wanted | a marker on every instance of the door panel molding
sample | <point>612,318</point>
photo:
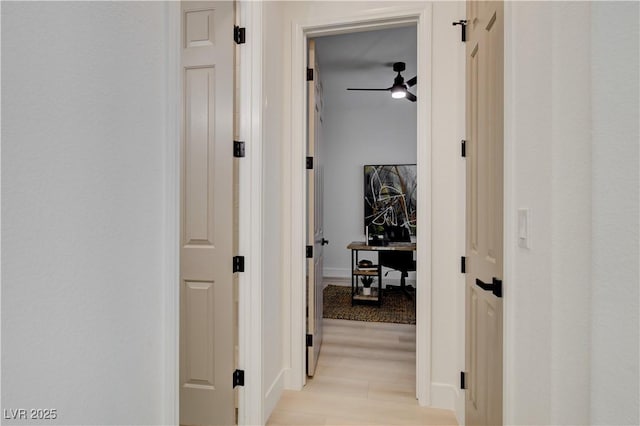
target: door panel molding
<point>484,351</point>
<point>250,398</point>
<point>206,277</point>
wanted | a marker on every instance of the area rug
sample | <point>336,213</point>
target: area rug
<point>396,307</point>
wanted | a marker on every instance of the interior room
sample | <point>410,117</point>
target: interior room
<point>362,128</point>
<point>367,136</point>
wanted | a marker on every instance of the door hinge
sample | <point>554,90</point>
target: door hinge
<point>239,34</point>
<point>498,287</point>
<point>238,149</point>
<point>238,264</point>
<point>309,74</point>
<point>463,26</point>
<point>309,252</point>
<point>309,163</point>
<point>238,378</point>
<point>463,380</point>
<point>463,148</point>
<point>309,340</point>
<point>463,265</point>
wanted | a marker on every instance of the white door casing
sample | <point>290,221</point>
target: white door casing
<point>294,178</point>
<point>484,207</point>
<point>206,244</point>
<point>315,228</point>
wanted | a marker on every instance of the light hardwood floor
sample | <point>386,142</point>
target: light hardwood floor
<point>365,376</point>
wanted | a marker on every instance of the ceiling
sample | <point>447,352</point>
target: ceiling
<point>365,60</point>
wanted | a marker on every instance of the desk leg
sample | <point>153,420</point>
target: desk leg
<point>379,284</point>
<point>353,276</point>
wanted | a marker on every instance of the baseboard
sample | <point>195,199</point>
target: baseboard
<point>346,281</point>
<point>343,281</point>
<point>444,395</point>
<point>331,273</point>
<point>460,406</point>
<point>337,272</point>
<point>273,394</point>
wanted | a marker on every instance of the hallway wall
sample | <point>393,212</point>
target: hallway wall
<point>571,299</point>
<point>615,293</point>
<point>84,198</point>
<point>273,263</point>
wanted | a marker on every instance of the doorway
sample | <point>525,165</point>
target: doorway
<point>294,183</point>
<point>363,150</point>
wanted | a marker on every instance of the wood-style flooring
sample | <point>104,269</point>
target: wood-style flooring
<point>365,376</point>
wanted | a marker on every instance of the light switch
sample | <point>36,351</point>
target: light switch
<point>523,228</point>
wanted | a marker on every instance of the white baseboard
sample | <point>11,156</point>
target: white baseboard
<point>460,407</point>
<point>343,281</point>
<point>273,394</point>
<point>337,272</point>
<point>346,281</point>
<point>346,273</point>
<point>444,395</point>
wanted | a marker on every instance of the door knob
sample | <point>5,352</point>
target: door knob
<point>495,287</point>
<point>324,242</point>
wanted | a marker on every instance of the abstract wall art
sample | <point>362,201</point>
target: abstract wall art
<point>390,195</point>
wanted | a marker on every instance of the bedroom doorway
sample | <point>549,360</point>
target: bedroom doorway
<point>355,137</point>
<point>294,179</point>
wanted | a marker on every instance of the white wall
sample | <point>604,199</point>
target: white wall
<point>571,300</point>
<point>273,262</point>
<point>354,136</point>
<point>84,98</point>
<point>615,140</point>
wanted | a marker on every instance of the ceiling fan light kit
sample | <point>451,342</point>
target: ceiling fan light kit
<point>399,88</point>
<point>398,92</point>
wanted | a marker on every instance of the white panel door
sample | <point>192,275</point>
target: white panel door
<point>484,57</point>
<point>315,229</point>
<point>206,296</point>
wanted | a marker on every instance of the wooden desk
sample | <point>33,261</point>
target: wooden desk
<point>358,246</point>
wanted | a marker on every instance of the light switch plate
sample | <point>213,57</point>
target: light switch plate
<point>523,228</point>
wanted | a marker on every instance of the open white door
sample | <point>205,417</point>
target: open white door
<point>484,149</point>
<point>315,230</point>
<point>206,292</point>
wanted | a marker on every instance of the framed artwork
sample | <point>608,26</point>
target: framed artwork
<point>390,195</point>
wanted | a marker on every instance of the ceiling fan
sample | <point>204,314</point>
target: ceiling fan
<point>399,88</point>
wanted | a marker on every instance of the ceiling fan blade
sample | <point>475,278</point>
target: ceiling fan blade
<point>412,82</point>
<point>411,97</point>
<point>377,90</point>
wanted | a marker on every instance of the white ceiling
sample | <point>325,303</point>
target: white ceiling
<point>365,60</point>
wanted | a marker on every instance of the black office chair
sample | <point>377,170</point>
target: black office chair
<point>399,260</point>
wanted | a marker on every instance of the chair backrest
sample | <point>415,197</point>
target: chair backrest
<point>399,260</point>
<point>397,234</point>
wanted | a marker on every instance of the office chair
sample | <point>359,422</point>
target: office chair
<point>399,260</point>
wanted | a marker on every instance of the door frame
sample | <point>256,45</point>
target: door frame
<point>250,211</point>
<point>509,225</point>
<point>295,180</point>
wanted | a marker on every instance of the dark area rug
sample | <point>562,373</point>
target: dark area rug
<point>396,307</point>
